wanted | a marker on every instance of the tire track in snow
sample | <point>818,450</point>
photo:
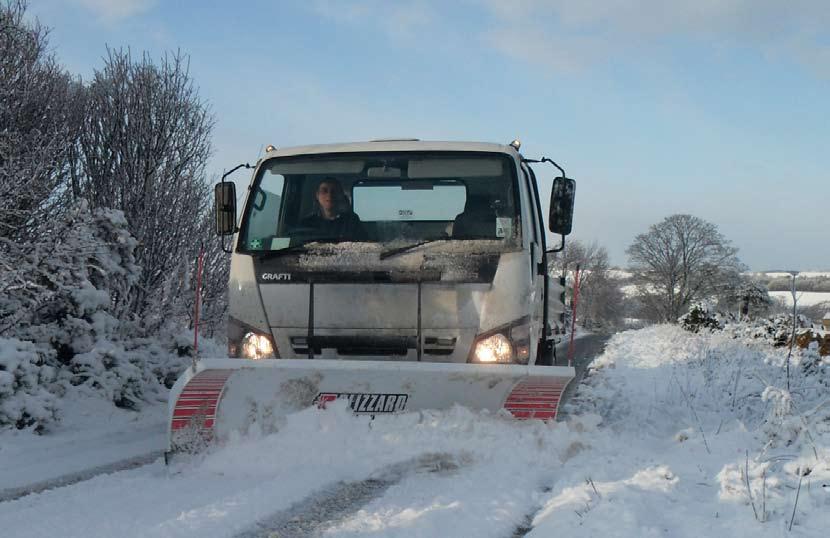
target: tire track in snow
<point>527,522</point>
<point>324,509</point>
<point>10,494</point>
<point>585,350</point>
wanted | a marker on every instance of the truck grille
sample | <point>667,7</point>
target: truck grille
<point>372,346</point>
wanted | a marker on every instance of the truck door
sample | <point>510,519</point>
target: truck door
<point>536,242</point>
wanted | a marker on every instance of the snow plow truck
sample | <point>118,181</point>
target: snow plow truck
<point>397,275</point>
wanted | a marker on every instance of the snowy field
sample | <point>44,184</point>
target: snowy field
<point>804,298</point>
<point>802,274</point>
<point>656,442</point>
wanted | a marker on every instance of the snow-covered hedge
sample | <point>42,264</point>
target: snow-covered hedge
<point>775,330</point>
<point>63,308</point>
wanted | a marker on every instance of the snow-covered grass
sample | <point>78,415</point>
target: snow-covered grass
<point>672,434</point>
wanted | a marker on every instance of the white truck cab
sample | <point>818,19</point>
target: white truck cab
<point>394,250</point>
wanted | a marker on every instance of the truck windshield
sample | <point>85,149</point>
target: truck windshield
<point>381,198</point>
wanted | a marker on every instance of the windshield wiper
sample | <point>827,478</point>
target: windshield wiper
<point>302,247</point>
<point>399,250</point>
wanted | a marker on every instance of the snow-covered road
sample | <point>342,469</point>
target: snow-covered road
<point>655,444</point>
<point>489,476</point>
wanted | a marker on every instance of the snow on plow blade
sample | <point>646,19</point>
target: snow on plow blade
<point>221,396</point>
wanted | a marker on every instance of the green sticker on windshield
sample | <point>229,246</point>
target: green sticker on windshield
<point>255,244</point>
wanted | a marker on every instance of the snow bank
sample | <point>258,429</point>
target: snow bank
<point>699,435</point>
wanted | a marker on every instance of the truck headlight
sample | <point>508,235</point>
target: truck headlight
<point>256,346</point>
<point>495,348</point>
<point>507,344</point>
<point>248,342</point>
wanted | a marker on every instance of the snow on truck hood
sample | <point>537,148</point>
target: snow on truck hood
<point>441,261</point>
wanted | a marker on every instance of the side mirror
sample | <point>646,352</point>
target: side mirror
<point>560,220</point>
<point>225,195</point>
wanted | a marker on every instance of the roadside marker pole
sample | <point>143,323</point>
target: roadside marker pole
<point>573,318</point>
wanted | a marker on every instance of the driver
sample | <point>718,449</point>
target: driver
<point>333,215</point>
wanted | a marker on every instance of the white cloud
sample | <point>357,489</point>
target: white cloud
<point>568,35</point>
<point>534,45</point>
<point>563,34</point>
<point>113,11</point>
<point>393,18</point>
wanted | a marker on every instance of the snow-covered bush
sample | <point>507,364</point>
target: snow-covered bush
<point>775,331</point>
<point>66,296</point>
<point>110,370</point>
<point>700,316</point>
<point>86,267</point>
<point>24,400</point>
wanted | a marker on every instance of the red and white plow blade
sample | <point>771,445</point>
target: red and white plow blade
<point>221,396</point>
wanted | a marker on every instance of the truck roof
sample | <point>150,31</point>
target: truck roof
<point>403,144</point>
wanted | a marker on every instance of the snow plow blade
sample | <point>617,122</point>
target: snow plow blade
<point>220,396</point>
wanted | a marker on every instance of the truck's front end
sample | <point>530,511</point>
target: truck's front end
<point>382,262</point>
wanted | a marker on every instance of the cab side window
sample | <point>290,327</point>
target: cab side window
<point>532,209</point>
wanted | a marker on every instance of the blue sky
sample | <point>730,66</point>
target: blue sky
<point>718,108</point>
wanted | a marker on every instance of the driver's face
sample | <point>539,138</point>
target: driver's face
<point>326,196</point>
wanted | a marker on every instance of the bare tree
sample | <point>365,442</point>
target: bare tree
<point>214,284</point>
<point>678,261</point>
<point>600,297</point>
<point>144,145</point>
<point>38,114</point>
